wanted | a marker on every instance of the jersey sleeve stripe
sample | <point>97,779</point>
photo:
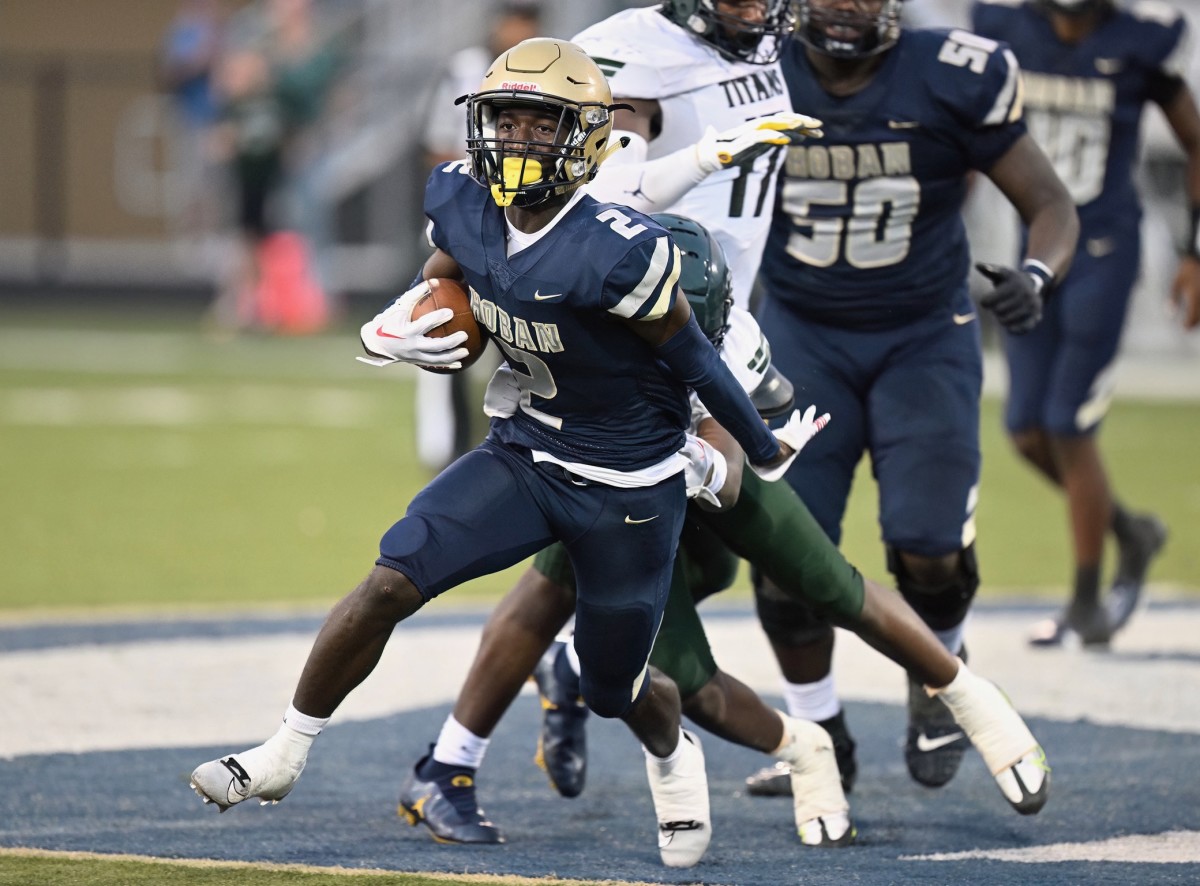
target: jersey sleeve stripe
<point>657,284</point>
<point>1179,61</point>
<point>1006,105</point>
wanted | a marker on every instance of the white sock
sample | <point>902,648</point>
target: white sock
<point>303,722</point>
<point>812,701</point>
<point>287,745</point>
<point>667,761</point>
<point>459,746</point>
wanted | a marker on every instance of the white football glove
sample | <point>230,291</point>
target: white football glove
<point>705,470</point>
<point>796,433</point>
<point>393,336</point>
<point>718,150</point>
<point>503,394</point>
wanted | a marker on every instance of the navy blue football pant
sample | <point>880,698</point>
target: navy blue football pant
<point>494,507</point>
<point>909,397</point>
<point>1060,377</point>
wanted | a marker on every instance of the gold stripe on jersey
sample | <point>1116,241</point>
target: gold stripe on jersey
<point>1008,102</point>
<point>658,283</point>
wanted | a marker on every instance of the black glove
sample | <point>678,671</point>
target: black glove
<point>1016,298</point>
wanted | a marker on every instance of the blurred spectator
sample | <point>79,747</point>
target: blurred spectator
<point>189,52</point>
<point>273,84</point>
<point>444,405</point>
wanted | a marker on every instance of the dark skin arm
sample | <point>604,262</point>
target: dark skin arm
<point>1184,119</point>
<point>1026,177</point>
<point>721,440</point>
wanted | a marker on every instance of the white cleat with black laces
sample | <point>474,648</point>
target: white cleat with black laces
<point>1011,753</point>
<point>261,772</point>
<point>818,802</point>
<point>680,791</point>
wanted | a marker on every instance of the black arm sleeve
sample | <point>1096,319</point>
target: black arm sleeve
<point>693,360</point>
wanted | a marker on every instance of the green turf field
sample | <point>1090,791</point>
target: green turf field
<point>160,466</point>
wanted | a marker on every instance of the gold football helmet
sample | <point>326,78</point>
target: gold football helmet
<point>556,78</point>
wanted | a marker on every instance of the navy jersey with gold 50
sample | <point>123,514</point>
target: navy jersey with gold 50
<point>867,230</point>
<point>555,309</point>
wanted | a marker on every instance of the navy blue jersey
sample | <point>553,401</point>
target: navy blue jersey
<point>867,230</point>
<point>1085,101</point>
<point>592,392</point>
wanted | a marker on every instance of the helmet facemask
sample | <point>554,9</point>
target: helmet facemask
<point>525,173</point>
<point>738,39</point>
<point>557,80</point>
<point>849,33</point>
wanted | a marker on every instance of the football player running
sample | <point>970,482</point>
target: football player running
<point>1090,69</point>
<point>766,524</point>
<point>440,790</point>
<point>582,299</point>
<point>865,279</point>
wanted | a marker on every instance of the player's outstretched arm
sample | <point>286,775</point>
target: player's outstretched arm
<point>630,179</point>
<point>680,344</point>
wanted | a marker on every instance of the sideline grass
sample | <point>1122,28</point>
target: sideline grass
<point>161,468</point>
<point>35,868</point>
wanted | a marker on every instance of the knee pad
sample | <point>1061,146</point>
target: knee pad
<point>942,605</point>
<point>613,646</point>
<point>787,621</point>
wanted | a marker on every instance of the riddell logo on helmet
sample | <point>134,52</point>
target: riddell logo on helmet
<point>517,86</point>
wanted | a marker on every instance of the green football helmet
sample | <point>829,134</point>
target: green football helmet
<point>704,274</point>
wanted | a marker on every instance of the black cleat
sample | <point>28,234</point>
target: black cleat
<point>443,798</point>
<point>776,781</point>
<point>934,743</point>
<point>1137,546</point>
<point>1088,625</point>
<point>562,745</point>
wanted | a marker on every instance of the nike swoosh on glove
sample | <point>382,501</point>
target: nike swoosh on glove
<point>393,336</point>
<point>1016,297</point>
<point>796,433</point>
<point>719,150</point>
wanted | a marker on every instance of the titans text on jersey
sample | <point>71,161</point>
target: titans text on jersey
<point>646,56</point>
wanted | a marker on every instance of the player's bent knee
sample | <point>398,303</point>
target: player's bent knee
<point>785,620</point>
<point>613,646</point>
<point>387,593</point>
<point>940,590</point>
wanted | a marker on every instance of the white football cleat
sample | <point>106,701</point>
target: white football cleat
<point>1011,753</point>
<point>260,772</point>
<point>680,791</point>
<point>821,810</point>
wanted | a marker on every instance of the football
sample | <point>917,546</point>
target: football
<point>447,293</point>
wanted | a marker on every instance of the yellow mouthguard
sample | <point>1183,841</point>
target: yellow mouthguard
<point>517,171</point>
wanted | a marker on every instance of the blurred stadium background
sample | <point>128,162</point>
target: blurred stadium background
<point>151,458</point>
